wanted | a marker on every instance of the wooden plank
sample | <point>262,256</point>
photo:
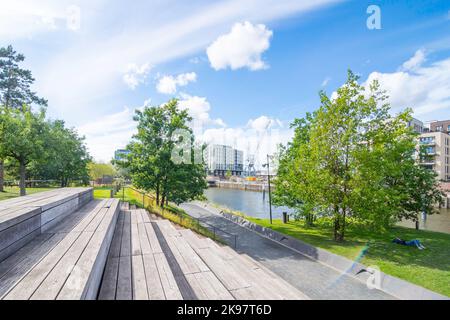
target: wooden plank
<point>89,268</point>
<point>109,281</point>
<point>145,216</point>
<point>66,266</point>
<point>169,284</point>
<point>22,254</point>
<point>135,241</point>
<point>125,249</point>
<point>19,270</point>
<point>26,287</point>
<point>207,287</point>
<point>186,257</point>
<point>145,246</point>
<point>231,279</point>
<point>116,243</point>
<point>124,279</point>
<point>140,291</point>
<point>152,277</point>
<point>79,219</point>
<point>153,239</point>
<point>88,220</point>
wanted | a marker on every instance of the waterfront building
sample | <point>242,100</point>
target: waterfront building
<point>417,125</point>
<point>440,126</point>
<point>436,146</point>
<point>221,159</point>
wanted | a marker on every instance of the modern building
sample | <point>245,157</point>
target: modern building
<point>221,159</point>
<point>436,146</point>
<point>440,126</point>
<point>121,154</point>
<point>417,125</point>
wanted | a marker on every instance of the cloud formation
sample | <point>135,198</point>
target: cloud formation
<point>425,89</point>
<point>242,47</point>
<point>135,75</point>
<point>170,84</point>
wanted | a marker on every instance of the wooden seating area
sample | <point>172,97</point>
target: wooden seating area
<point>62,244</point>
<point>151,259</point>
<point>66,261</point>
<point>23,218</point>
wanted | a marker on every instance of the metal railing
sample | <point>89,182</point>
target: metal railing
<point>163,211</point>
<point>215,230</point>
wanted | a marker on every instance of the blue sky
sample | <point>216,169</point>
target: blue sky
<point>239,67</point>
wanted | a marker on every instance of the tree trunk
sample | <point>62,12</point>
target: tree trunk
<point>163,199</point>
<point>2,175</point>
<point>22,179</point>
<point>338,226</point>
<point>157,194</point>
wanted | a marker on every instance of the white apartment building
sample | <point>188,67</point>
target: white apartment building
<point>221,158</point>
<point>437,150</point>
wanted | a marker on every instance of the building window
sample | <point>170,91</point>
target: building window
<point>426,140</point>
<point>439,128</point>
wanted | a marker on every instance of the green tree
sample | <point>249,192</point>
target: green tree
<point>351,158</point>
<point>15,86</point>
<point>65,157</point>
<point>153,149</point>
<point>22,137</point>
<point>98,170</point>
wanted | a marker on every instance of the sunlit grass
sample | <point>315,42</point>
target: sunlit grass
<point>429,268</point>
<point>13,192</point>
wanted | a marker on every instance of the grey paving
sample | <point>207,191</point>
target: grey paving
<point>313,278</point>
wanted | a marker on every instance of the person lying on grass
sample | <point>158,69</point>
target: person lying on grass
<point>410,243</point>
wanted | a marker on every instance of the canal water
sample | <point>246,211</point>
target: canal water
<point>251,203</point>
<point>254,204</point>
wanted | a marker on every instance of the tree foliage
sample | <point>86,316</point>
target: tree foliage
<point>22,137</point>
<point>65,156</point>
<point>152,151</point>
<point>352,158</point>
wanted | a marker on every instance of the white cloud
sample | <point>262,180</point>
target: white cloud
<point>169,84</point>
<point>135,75</point>
<point>106,134</point>
<point>260,137</point>
<point>415,61</point>
<point>426,89</point>
<point>241,48</point>
<point>199,108</point>
<point>263,123</point>
<point>325,81</point>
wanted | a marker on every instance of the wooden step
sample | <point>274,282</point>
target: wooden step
<point>24,218</point>
<point>136,267</point>
<point>258,283</point>
<point>70,262</point>
<point>203,282</point>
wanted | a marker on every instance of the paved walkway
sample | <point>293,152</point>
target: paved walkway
<point>313,278</point>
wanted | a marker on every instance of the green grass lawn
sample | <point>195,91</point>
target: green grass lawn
<point>12,192</point>
<point>429,268</point>
<point>102,192</point>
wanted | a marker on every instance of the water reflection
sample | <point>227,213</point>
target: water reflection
<point>256,205</point>
<point>251,203</point>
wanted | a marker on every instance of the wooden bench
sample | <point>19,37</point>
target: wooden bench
<point>24,218</point>
<point>67,260</point>
<point>136,267</point>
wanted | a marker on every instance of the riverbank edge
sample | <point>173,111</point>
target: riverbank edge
<point>392,285</point>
